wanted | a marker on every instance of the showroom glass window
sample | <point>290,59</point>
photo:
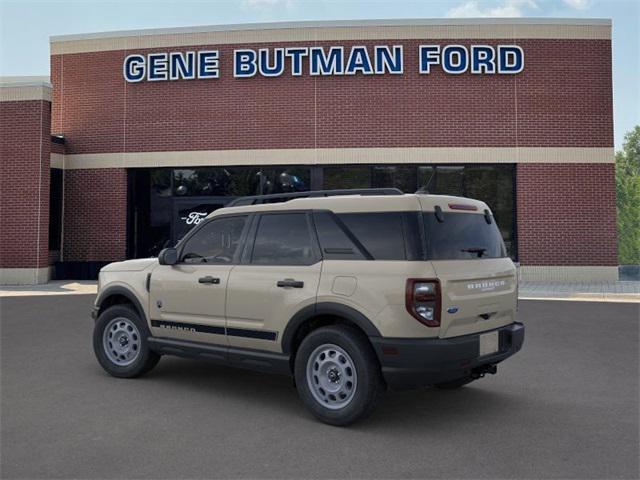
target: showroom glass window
<point>160,198</point>
<point>55,209</point>
<point>239,181</point>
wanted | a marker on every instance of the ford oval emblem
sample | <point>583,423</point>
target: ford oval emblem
<point>452,309</point>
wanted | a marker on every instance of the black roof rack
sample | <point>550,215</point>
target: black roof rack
<point>283,197</point>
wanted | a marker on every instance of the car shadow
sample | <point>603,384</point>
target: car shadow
<point>435,409</point>
<point>405,411</point>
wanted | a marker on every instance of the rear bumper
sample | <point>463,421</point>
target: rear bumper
<point>415,362</point>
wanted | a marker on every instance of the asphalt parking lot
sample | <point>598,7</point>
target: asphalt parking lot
<point>565,407</point>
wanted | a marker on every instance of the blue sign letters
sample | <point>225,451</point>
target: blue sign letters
<point>324,61</point>
<point>478,59</point>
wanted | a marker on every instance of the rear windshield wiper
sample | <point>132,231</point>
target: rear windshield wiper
<point>477,250</point>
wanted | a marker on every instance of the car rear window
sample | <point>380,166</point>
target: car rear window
<point>462,236</point>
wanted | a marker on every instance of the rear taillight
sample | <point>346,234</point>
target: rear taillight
<point>423,301</point>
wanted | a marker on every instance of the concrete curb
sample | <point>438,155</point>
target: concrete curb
<point>588,298</point>
<point>51,288</point>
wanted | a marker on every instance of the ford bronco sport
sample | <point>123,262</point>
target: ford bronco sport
<point>350,292</point>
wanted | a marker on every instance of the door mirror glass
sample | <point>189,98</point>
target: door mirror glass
<point>168,256</point>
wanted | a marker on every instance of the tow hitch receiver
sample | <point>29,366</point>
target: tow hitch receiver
<point>483,370</point>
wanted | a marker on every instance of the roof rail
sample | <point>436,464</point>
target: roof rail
<point>283,197</point>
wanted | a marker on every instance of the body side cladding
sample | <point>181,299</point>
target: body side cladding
<point>239,357</point>
<point>121,291</point>
<point>329,309</point>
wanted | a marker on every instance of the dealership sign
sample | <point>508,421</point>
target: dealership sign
<point>325,61</point>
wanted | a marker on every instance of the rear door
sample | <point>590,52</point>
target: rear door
<point>278,276</point>
<point>477,280</point>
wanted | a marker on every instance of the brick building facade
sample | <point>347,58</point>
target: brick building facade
<point>25,145</point>
<point>137,160</point>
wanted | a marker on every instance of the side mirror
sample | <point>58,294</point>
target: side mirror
<point>168,256</point>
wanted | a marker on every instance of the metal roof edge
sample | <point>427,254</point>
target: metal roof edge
<point>25,81</point>
<point>332,24</point>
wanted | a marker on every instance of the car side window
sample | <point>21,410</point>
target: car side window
<point>334,240</point>
<point>283,239</point>
<point>215,242</point>
<point>381,233</point>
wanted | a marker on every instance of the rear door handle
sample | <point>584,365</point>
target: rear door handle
<point>209,279</point>
<point>290,282</point>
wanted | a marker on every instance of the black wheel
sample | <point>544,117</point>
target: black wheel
<point>337,375</point>
<point>120,343</point>
<point>452,385</point>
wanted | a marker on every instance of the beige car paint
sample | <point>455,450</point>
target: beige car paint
<point>177,295</point>
<point>340,204</point>
<point>470,287</point>
<point>136,265</point>
<point>344,286</point>
<point>476,287</point>
<point>254,301</point>
<point>380,293</point>
<point>132,281</point>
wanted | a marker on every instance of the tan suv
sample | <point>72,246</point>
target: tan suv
<point>350,292</point>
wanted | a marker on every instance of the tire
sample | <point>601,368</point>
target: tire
<point>454,384</point>
<point>123,351</point>
<point>340,359</point>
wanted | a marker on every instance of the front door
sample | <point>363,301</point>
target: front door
<point>187,300</point>
<point>279,275</point>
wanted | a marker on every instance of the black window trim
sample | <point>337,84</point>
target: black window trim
<point>404,229</point>
<point>358,244</point>
<point>419,252</point>
<point>247,251</point>
<point>236,256</point>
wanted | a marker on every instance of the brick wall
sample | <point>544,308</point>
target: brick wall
<point>57,148</point>
<point>24,183</point>
<point>95,215</point>
<point>566,214</point>
<point>562,98</point>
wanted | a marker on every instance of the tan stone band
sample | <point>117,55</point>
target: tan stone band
<point>337,156</point>
<point>551,273</point>
<point>19,94</point>
<point>24,276</point>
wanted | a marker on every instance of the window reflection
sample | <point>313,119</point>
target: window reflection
<point>450,181</point>
<point>162,195</point>
<point>396,176</point>
<point>239,181</point>
<point>345,176</point>
<point>426,179</point>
